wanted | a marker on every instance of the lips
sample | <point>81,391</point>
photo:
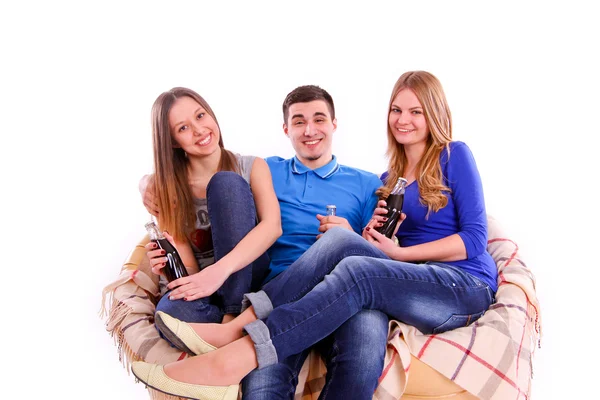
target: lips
<point>205,141</point>
<point>404,131</point>
<point>312,143</point>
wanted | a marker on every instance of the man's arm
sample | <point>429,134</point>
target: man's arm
<point>146,188</point>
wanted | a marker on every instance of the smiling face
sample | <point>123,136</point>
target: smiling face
<point>192,128</point>
<point>407,120</point>
<point>310,129</point>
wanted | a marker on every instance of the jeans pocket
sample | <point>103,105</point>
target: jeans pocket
<point>458,321</point>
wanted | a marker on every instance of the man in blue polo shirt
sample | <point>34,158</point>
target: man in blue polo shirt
<point>308,182</point>
<point>305,185</point>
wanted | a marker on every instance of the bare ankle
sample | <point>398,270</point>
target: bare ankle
<point>228,318</point>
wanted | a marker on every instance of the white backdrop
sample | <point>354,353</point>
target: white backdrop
<point>78,81</point>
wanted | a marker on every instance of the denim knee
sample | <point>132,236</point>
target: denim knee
<point>339,237</point>
<point>226,181</point>
<point>199,310</point>
<point>342,243</point>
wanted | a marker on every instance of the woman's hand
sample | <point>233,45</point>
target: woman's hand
<point>157,257</point>
<point>389,246</point>
<point>380,212</point>
<point>378,218</point>
<point>201,284</point>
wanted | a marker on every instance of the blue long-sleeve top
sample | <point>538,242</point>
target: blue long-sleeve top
<point>464,214</point>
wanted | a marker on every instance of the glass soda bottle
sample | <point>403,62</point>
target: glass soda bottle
<point>174,268</point>
<point>394,206</point>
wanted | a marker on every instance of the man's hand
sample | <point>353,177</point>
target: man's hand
<point>146,188</point>
<point>331,221</point>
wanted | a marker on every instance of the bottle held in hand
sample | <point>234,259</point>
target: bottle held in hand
<point>331,209</point>
<point>174,269</point>
<point>394,206</point>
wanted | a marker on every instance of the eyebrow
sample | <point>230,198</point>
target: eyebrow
<point>195,112</point>
<point>314,115</point>
<point>412,108</point>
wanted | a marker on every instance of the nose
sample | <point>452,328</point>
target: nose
<point>403,118</point>
<point>196,128</point>
<point>310,130</point>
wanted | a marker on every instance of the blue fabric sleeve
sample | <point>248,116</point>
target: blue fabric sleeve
<point>373,183</point>
<point>383,177</point>
<point>467,191</point>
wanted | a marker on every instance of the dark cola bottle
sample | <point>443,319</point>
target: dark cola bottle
<point>394,206</point>
<point>174,268</point>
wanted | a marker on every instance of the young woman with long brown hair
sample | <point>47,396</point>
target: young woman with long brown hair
<point>219,209</point>
<point>439,277</point>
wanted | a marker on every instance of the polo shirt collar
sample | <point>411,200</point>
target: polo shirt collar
<point>324,171</point>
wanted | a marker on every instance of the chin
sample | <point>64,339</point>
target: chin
<point>313,158</point>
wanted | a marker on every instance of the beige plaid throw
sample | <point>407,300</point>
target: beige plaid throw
<point>491,358</point>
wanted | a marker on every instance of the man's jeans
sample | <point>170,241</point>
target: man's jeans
<point>432,297</point>
<point>353,354</point>
<point>232,215</point>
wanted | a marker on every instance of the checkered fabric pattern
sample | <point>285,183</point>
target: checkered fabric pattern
<point>491,358</point>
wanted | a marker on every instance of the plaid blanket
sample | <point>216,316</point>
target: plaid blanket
<point>491,358</point>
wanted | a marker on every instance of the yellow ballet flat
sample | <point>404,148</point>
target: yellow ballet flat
<point>181,335</point>
<point>154,376</point>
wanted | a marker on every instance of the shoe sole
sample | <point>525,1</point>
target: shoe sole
<point>171,337</point>
<point>159,390</point>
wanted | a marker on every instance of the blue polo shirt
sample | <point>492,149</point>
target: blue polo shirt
<point>303,193</point>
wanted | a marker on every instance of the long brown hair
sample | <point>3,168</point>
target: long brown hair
<point>173,193</point>
<point>428,172</point>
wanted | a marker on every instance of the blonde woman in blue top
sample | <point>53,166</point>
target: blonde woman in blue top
<point>438,278</point>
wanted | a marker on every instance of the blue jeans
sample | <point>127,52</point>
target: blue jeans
<point>232,215</point>
<point>353,354</point>
<point>433,297</point>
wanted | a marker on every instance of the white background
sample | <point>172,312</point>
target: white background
<point>78,80</point>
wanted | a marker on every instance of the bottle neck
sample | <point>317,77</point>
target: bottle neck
<point>154,232</point>
<point>399,187</point>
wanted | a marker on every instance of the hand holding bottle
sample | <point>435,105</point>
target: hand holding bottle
<point>327,222</point>
<point>395,201</point>
<point>379,215</point>
<point>389,246</point>
<point>157,256</point>
<point>173,266</point>
<point>375,224</point>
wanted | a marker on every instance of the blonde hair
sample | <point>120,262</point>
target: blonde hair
<point>175,201</point>
<point>428,172</point>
